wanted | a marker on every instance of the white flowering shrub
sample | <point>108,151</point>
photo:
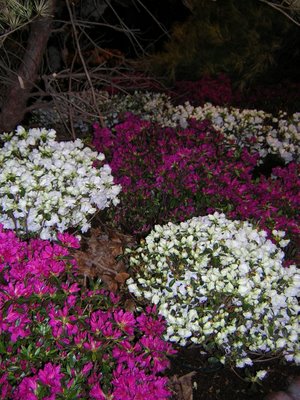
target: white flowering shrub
<point>284,140</point>
<point>48,186</point>
<point>221,284</point>
<point>148,105</point>
<point>255,129</point>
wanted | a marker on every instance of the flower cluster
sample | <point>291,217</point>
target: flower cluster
<point>148,105</point>
<point>284,139</point>
<point>256,130</point>
<point>220,283</point>
<point>48,186</point>
<point>61,340</point>
<point>170,174</point>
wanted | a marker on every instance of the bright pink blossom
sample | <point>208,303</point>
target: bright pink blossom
<point>125,321</point>
<point>97,393</point>
<point>51,376</point>
<point>68,240</point>
<point>26,389</point>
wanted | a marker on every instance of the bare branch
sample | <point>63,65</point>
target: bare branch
<point>72,19</point>
<point>286,10</point>
<point>154,18</point>
<point>126,30</point>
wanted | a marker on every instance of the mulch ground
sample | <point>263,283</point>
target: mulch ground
<point>196,379</point>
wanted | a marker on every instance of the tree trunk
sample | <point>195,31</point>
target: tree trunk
<point>22,81</point>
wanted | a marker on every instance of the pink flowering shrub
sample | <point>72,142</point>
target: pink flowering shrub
<point>60,340</point>
<point>273,98</point>
<point>219,90</point>
<point>216,90</point>
<point>172,174</point>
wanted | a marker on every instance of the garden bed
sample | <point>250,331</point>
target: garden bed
<point>208,216</point>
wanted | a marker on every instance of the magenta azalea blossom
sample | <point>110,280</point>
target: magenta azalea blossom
<point>51,376</point>
<point>125,320</point>
<point>97,393</point>
<point>92,344</point>
<point>68,240</point>
<point>26,390</point>
<point>5,387</point>
<point>134,384</point>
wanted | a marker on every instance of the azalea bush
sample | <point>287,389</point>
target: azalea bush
<point>171,174</point>
<point>48,186</point>
<point>272,98</point>
<point>216,90</point>
<point>221,284</point>
<point>256,130</point>
<point>60,340</point>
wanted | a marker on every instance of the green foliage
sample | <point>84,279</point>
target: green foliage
<point>240,38</point>
<point>15,13</point>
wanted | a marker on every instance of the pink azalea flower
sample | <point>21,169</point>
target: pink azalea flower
<point>80,338</point>
<point>17,290</point>
<point>26,389</point>
<point>50,376</point>
<point>41,288</point>
<point>148,324</point>
<point>125,321</point>
<point>18,323</point>
<point>134,384</point>
<point>5,387</point>
<point>86,369</point>
<point>97,393</point>
<point>68,240</point>
<point>92,344</point>
<point>74,288</point>
<point>61,322</point>
<point>101,323</point>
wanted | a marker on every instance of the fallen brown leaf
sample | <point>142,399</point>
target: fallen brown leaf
<point>121,277</point>
<point>130,305</point>
<point>183,386</point>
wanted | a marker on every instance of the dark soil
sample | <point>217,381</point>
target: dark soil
<point>216,382</point>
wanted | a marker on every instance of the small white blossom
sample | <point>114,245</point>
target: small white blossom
<point>260,375</point>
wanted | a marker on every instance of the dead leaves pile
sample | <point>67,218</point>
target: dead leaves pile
<point>100,257</point>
